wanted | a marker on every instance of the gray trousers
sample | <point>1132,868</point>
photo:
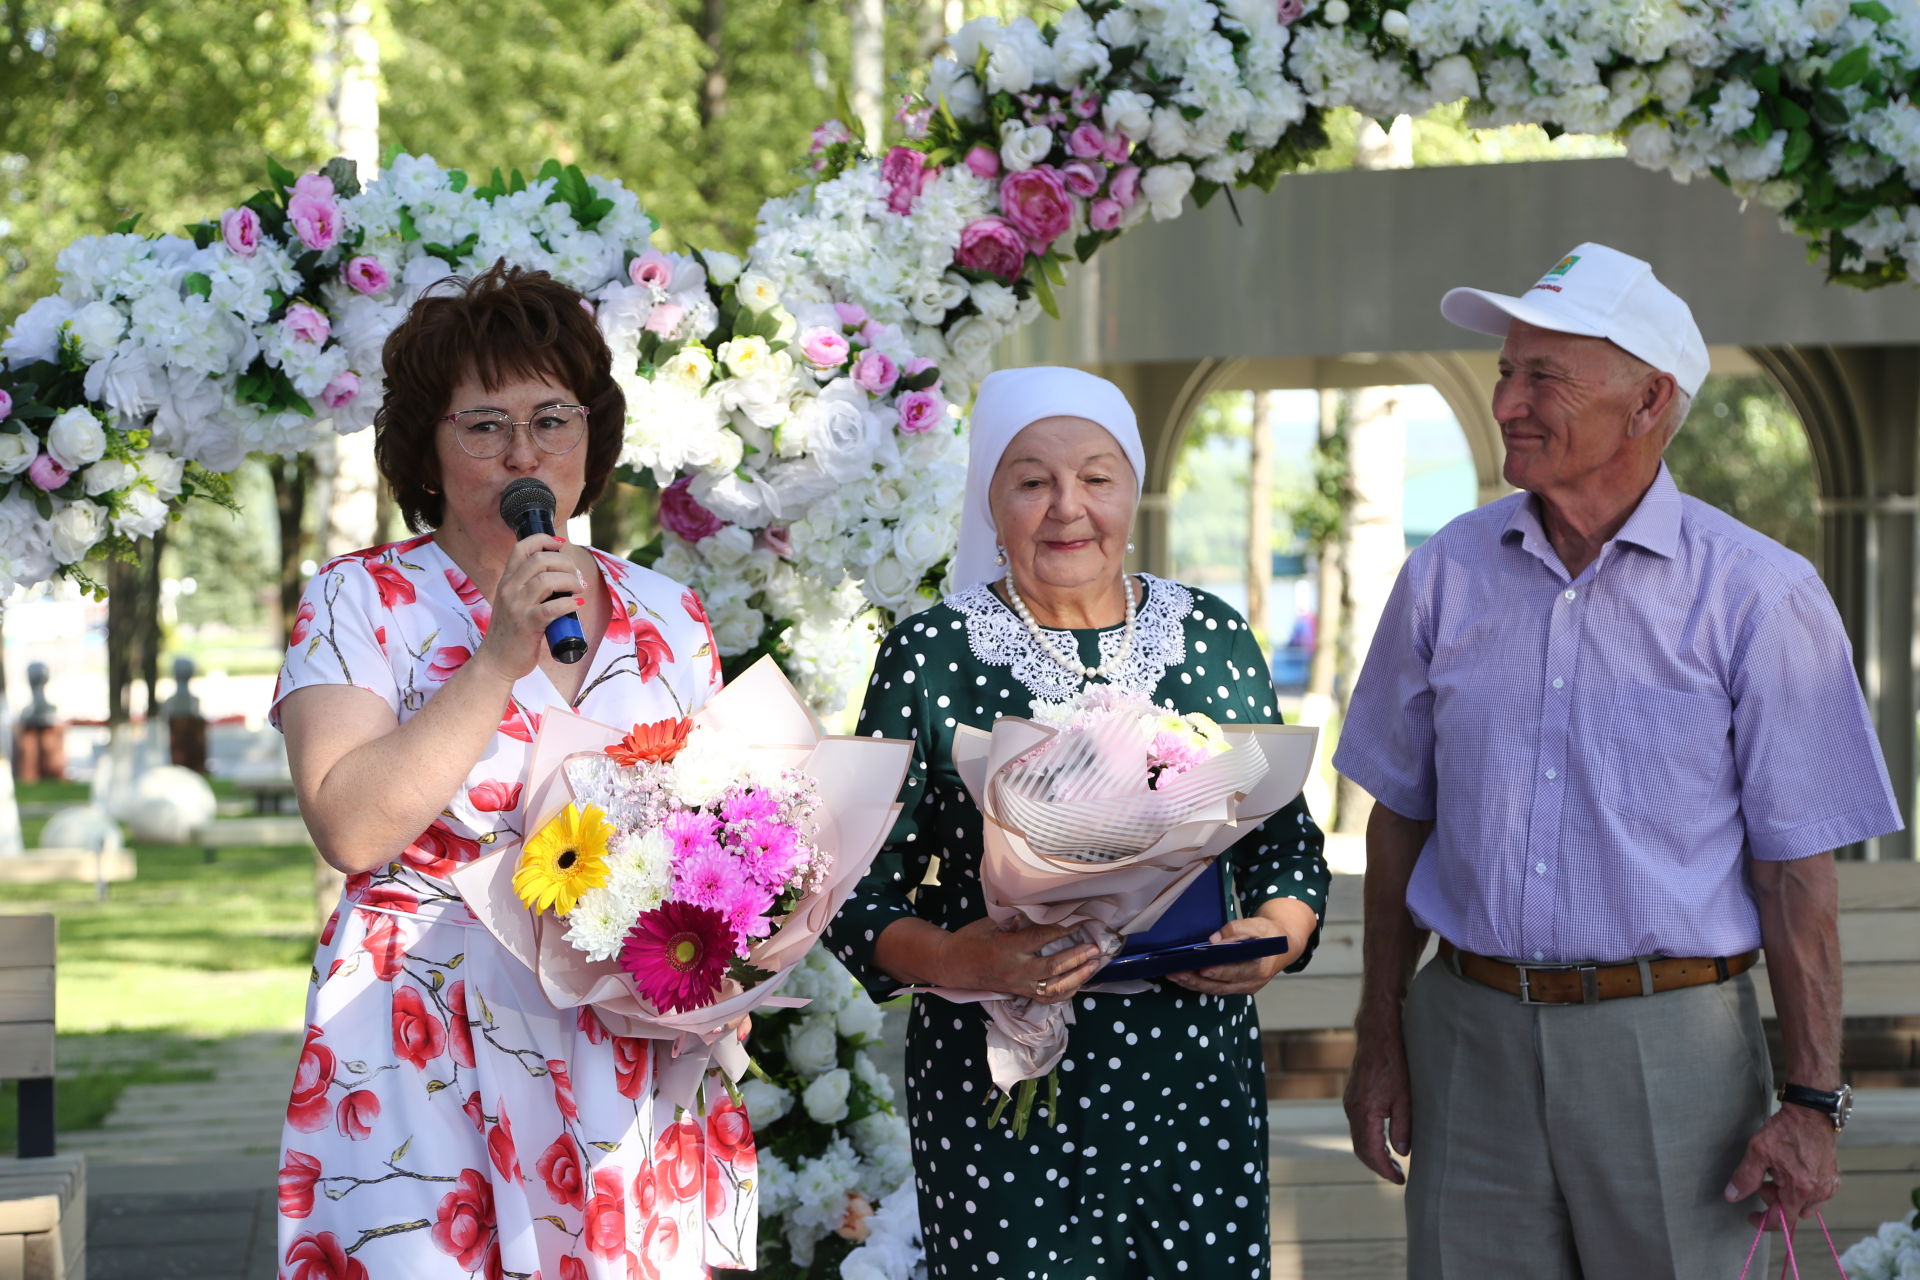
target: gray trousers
<point>1580,1142</point>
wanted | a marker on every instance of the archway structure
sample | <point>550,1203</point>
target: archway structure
<point>1332,280</point>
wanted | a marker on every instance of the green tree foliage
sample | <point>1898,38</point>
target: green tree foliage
<point>1743,451</point>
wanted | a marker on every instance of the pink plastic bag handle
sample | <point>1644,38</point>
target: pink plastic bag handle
<point>1786,1233</point>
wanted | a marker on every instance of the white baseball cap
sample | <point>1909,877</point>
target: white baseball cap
<point>1597,292</point>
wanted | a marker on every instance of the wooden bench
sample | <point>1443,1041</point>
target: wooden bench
<point>1334,1220</point>
<point>42,1195</point>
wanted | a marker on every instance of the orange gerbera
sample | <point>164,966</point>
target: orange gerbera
<point>651,743</point>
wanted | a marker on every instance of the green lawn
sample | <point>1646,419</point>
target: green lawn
<point>189,952</point>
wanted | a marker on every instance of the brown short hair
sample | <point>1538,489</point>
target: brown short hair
<point>505,323</point>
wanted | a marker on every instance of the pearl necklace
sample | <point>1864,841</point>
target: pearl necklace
<point>1070,661</point>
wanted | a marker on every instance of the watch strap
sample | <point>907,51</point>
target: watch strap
<point>1828,1103</point>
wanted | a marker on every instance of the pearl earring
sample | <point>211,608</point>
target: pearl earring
<point>1000,556</point>
<point>1129,546</point>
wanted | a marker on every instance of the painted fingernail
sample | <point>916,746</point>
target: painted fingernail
<point>579,599</point>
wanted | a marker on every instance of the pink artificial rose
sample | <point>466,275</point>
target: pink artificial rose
<point>1081,178</point>
<point>6,405</point>
<point>906,174</point>
<point>993,246</point>
<point>684,517</point>
<point>665,318</point>
<point>314,211</point>
<point>872,333</point>
<point>775,539</point>
<point>1289,11</point>
<point>823,348</point>
<point>1086,105</point>
<point>983,162</point>
<point>1119,147</point>
<point>1105,214</point>
<point>365,275</point>
<point>830,132</point>
<point>46,474</point>
<point>918,365</point>
<point>652,270</point>
<point>852,314</point>
<point>1086,142</point>
<point>1124,185</point>
<point>874,373</point>
<point>341,391</point>
<point>305,324</point>
<point>1036,203</point>
<point>921,411</point>
<point>913,116</point>
<point>240,230</point>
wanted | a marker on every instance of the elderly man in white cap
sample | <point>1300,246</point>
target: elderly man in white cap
<point>1613,736</point>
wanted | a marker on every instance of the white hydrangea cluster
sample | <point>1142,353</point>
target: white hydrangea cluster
<point>1891,1253</point>
<point>861,1186</point>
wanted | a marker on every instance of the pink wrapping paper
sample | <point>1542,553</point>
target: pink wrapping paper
<point>859,781</point>
<point>1025,1038</point>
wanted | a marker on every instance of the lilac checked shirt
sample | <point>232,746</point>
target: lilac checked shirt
<point>1599,755</point>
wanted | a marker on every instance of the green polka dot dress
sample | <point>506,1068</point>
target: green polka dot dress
<point>1156,1164</point>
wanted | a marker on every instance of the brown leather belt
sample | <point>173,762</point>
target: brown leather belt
<point>1592,983</point>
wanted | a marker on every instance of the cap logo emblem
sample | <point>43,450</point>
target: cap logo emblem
<point>1563,266</point>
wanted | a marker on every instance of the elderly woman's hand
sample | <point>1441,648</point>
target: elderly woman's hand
<point>1288,916</point>
<point>983,956</point>
<point>536,570</point>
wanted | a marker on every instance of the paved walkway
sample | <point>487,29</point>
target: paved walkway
<point>181,1180</point>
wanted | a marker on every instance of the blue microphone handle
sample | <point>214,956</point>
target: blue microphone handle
<point>565,640</point>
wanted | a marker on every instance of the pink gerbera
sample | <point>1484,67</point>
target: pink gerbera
<point>677,954</point>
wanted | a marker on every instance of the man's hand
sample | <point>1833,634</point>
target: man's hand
<point>1379,1103</point>
<point>1792,1163</point>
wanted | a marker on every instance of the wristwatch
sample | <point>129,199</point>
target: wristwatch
<point>1836,1106</point>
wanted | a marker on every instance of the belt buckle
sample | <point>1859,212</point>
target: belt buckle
<point>1589,981</point>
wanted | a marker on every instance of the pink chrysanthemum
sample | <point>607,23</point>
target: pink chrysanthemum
<point>677,954</point>
<point>745,908</point>
<point>704,876</point>
<point>771,852</point>
<point>691,832</point>
<point>749,806</point>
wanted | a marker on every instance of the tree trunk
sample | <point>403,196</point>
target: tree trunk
<point>131,600</point>
<point>1329,591</point>
<point>150,654</point>
<point>291,477</point>
<point>869,70</point>
<point>713,89</point>
<point>1260,517</point>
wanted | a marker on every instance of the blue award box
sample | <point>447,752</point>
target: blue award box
<point>1177,941</point>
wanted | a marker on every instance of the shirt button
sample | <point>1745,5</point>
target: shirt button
<point>1552,774</point>
<point>1558,682</point>
<point>1571,593</point>
<point>1540,868</point>
<point>1539,955</point>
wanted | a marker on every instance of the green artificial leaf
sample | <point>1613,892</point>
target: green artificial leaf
<point>551,169</point>
<point>1759,131</point>
<point>1850,68</point>
<point>1879,13</point>
<point>457,179</point>
<point>1799,147</point>
<point>516,182</point>
<point>1054,271</point>
<point>198,284</point>
<point>1790,114</point>
<point>43,504</point>
<point>1204,191</point>
<point>1043,293</point>
<point>203,234</point>
<point>920,381</point>
<point>408,231</point>
<point>279,175</point>
<point>1767,79</point>
<point>125,226</point>
<point>345,176</point>
<point>1829,110</point>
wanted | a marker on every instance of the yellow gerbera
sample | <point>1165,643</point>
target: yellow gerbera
<point>563,860</point>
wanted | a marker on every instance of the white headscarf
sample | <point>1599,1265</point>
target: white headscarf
<point>1009,401</point>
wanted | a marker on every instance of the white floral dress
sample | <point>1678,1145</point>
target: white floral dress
<point>446,1120</point>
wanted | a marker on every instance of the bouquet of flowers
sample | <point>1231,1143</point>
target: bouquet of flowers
<point>1103,812</point>
<point>1891,1253</point>
<point>678,872</point>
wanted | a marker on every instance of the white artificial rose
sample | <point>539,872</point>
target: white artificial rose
<point>889,582</point>
<point>1023,146</point>
<point>1120,29</point>
<point>972,36</point>
<point>1673,84</point>
<point>722,268</point>
<point>1335,12</point>
<point>813,1046</point>
<point>163,471</point>
<point>1452,78</point>
<point>104,476</point>
<point>1650,144</point>
<point>1778,194</point>
<point>995,301</point>
<point>1824,15</point>
<point>757,293</point>
<point>18,449</point>
<point>1165,188</point>
<point>954,85</point>
<point>922,538</point>
<point>98,326</point>
<point>35,333</point>
<point>765,1102</point>
<point>76,438</point>
<point>1394,23</point>
<point>843,435</point>
<point>689,368</point>
<point>1129,112</point>
<point>874,1133</point>
<point>1169,135</point>
<point>141,514</point>
<point>744,357</point>
<point>1010,67</point>
<point>75,528</point>
<point>826,1098</point>
<point>737,628</point>
<point>859,1017</point>
<point>726,548</point>
<point>972,339</point>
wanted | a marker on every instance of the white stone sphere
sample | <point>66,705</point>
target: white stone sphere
<point>170,804</point>
<point>86,827</point>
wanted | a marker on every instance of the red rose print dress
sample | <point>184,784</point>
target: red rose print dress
<point>446,1119</point>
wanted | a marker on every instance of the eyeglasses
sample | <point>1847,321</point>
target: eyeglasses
<point>488,433</point>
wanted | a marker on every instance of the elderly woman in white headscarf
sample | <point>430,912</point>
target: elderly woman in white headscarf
<point>1153,1162</point>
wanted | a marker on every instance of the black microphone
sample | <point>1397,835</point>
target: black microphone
<point>527,506</point>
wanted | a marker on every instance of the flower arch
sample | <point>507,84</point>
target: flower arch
<point>800,408</point>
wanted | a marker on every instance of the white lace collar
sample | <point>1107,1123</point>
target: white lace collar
<point>999,639</point>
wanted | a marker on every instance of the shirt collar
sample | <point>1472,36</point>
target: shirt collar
<point>1654,525</point>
